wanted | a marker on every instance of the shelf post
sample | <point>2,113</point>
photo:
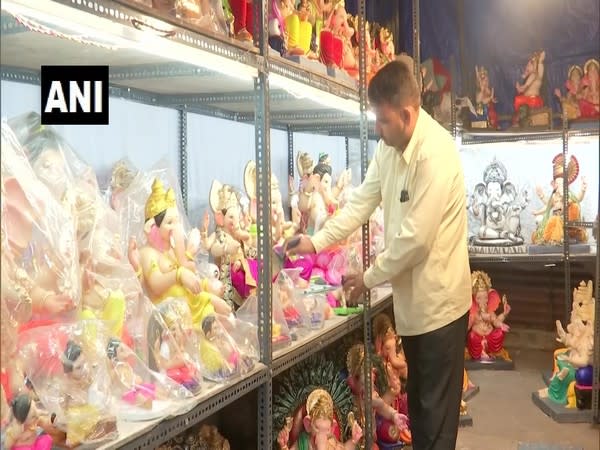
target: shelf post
<point>263,221</point>
<point>347,147</point>
<point>290,142</point>
<point>567,259</point>
<point>364,156</point>
<point>596,363</point>
<point>416,42</point>
<point>183,158</point>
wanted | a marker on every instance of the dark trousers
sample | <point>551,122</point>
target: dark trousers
<point>436,364</point>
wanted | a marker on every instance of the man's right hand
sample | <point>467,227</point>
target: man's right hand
<point>298,245</point>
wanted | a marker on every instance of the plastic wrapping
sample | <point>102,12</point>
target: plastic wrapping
<point>110,288</point>
<point>280,334</point>
<point>284,293</point>
<point>40,268</point>
<point>173,345</point>
<point>206,14</point>
<point>69,371</point>
<point>220,355</point>
<point>139,393</point>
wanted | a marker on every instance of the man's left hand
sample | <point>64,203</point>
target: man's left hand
<point>354,287</point>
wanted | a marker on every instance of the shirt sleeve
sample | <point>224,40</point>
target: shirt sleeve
<point>419,228</point>
<point>362,203</point>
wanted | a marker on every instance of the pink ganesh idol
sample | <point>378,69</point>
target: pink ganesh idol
<point>485,339</point>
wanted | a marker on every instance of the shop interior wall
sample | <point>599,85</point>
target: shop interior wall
<point>149,136</point>
<point>501,35</point>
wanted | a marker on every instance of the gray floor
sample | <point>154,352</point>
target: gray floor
<point>504,415</point>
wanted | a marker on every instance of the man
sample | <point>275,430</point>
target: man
<point>416,172</point>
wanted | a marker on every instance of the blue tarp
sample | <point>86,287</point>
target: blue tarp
<point>498,34</point>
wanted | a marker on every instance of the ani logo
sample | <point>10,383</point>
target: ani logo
<point>74,95</point>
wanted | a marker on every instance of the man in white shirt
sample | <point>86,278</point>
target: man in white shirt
<point>416,172</point>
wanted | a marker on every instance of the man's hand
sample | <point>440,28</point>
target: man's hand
<point>298,245</point>
<point>354,287</point>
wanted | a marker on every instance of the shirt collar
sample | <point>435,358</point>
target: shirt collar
<point>416,136</point>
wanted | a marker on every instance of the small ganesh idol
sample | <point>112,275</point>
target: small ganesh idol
<point>165,267</point>
<point>589,104</point>
<point>228,245</point>
<point>390,426</point>
<point>485,100</point>
<point>485,339</point>
<point>317,433</point>
<point>550,229</point>
<point>528,101</point>
<point>173,345</point>
<point>570,101</point>
<point>22,432</point>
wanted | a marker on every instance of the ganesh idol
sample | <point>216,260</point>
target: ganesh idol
<point>229,244</point>
<point>163,267</point>
<point>528,100</point>
<point>485,339</point>
<point>550,230</point>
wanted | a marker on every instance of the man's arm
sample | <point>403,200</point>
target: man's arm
<point>362,203</point>
<point>418,230</point>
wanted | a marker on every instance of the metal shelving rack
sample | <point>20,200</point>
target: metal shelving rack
<point>157,76</point>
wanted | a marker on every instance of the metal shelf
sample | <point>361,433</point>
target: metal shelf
<point>333,330</point>
<point>196,71</point>
<point>552,258</point>
<point>143,435</point>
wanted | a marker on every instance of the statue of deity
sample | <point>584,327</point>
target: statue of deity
<point>318,427</point>
<point>589,104</point>
<point>550,230</point>
<point>230,244</point>
<point>528,101</point>
<point>498,206</point>
<point>390,426</point>
<point>485,100</point>
<point>570,101</point>
<point>485,339</point>
<point>577,354</point>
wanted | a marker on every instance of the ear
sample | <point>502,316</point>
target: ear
<point>215,188</point>
<point>306,422</point>
<point>148,225</point>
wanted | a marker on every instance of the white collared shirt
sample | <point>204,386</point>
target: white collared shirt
<point>426,257</point>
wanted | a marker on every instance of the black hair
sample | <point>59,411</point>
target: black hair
<point>72,353</point>
<point>20,406</point>
<point>394,84</point>
<point>207,324</point>
<point>322,169</point>
<point>113,347</point>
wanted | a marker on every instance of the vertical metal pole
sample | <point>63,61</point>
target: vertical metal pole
<point>263,198</point>
<point>290,139</point>
<point>596,363</point>
<point>364,156</point>
<point>416,41</point>
<point>347,143</point>
<point>183,158</point>
<point>453,125</point>
<point>566,255</point>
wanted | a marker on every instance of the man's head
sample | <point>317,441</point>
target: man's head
<point>395,98</point>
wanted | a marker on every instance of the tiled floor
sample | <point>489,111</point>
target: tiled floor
<point>504,414</point>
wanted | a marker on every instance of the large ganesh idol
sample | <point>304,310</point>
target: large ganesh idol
<point>485,339</point>
<point>572,373</point>
<point>528,103</point>
<point>110,288</point>
<point>165,268</point>
<point>229,244</point>
<point>589,105</point>
<point>335,46</point>
<point>550,229</point>
<point>497,205</point>
<point>485,101</point>
<point>40,270</point>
